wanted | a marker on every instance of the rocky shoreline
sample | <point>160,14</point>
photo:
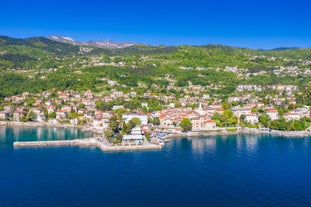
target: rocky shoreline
<point>241,131</point>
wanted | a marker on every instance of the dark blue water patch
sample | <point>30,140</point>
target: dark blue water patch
<point>206,171</point>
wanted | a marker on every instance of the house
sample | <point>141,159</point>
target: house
<point>68,109</point>
<point>251,118</point>
<point>17,116</point>
<point>88,94</point>
<point>291,116</point>
<point>144,105</point>
<point>260,104</point>
<point>133,94</point>
<point>82,111</point>
<point>147,95</point>
<point>53,121</point>
<point>210,124</point>
<point>8,109</point>
<point>200,123</point>
<point>238,111</point>
<point>116,107</point>
<point>61,114</point>
<point>302,111</point>
<point>197,123</point>
<point>4,115</point>
<point>272,113</point>
<point>117,94</point>
<point>38,102</point>
<point>206,96</point>
<point>39,117</point>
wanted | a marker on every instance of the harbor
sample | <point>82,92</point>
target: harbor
<point>98,142</point>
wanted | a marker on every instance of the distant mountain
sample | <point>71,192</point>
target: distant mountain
<point>285,48</point>
<point>27,46</point>
<point>110,44</point>
<point>67,40</point>
<point>98,43</point>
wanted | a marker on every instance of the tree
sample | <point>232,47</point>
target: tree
<point>186,125</point>
<point>136,121</point>
<point>264,119</point>
<point>156,121</point>
<point>81,106</point>
<point>52,115</point>
<point>115,124</point>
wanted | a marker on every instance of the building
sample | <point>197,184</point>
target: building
<point>39,117</point>
<point>251,118</point>
<point>291,116</point>
<point>61,114</point>
<point>272,113</point>
<point>17,116</point>
<point>132,139</point>
<point>4,115</point>
<point>210,124</point>
<point>136,131</point>
<point>202,124</point>
<point>142,117</point>
<point>238,111</point>
<point>303,111</point>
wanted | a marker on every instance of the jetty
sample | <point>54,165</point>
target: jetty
<point>98,142</point>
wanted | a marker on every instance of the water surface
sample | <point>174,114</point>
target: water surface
<point>214,171</point>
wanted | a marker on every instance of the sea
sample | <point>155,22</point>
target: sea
<point>243,170</point>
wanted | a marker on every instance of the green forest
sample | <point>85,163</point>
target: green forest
<point>38,64</point>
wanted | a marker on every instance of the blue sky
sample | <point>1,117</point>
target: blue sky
<point>244,23</point>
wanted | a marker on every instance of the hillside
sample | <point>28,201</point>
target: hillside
<point>41,64</point>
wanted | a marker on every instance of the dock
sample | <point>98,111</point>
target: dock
<point>97,142</point>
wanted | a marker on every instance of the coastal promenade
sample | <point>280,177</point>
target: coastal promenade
<point>98,142</point>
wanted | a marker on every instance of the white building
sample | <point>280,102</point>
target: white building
<point>303,111</point>
<point>251,118</point>
<point>238,111</point>
<point>142,117</point>
<point>132,139</point>
<point>272,113</point>
<point>39,117</point>
<point>291,116</point>
<point>136,131</point>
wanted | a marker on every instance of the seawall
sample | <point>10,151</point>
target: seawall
<point>89,142</point>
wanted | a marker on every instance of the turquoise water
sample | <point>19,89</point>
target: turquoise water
<point>215,171</point>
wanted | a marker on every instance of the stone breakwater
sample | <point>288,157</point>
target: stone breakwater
<point>98,142</point>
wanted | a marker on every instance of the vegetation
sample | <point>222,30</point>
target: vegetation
<point>155,77</point>
<point>226,119</point>
<point>186,125</point>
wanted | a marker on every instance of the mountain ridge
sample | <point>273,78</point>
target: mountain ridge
<point>95,43</point>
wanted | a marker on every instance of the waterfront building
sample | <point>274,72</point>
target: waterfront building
<point>128,116</point>
<point>251,118</point>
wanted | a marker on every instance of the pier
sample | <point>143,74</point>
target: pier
<point>97,142</point>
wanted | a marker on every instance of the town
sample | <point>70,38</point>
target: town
<point>127,125</point>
